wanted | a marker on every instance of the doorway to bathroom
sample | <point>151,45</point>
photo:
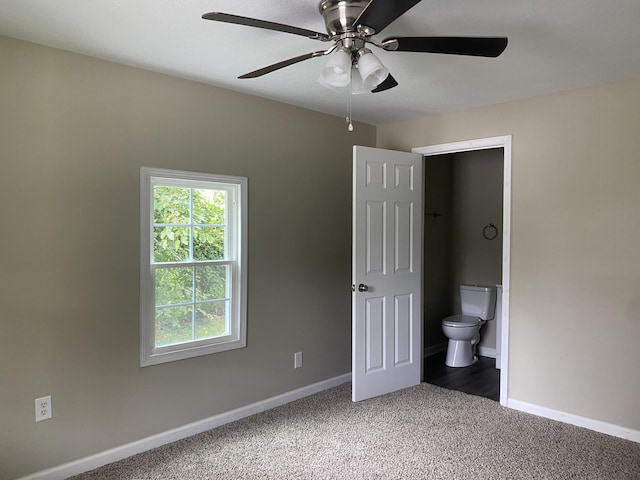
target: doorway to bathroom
<point>467,241</point>
<point>481,379</point>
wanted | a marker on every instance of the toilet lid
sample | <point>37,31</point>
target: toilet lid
<point>461,321</point>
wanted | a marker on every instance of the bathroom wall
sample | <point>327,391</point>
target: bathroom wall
<point>466,190</point>
<point>476,199</point>
<point>438,278</point>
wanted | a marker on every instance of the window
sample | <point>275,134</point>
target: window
<point>193,264</point>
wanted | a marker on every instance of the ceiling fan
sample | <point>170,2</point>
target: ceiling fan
<point>350,26</point>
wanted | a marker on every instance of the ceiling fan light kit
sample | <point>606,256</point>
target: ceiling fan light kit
<point>357,87</point>
<point>337,72</point>
<point>343,67</point>
<point>371,70</point>
<point>350,25</point>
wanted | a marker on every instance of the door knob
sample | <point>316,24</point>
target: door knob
<point>363,288</point>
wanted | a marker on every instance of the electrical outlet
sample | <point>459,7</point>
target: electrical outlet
<point>297,360</point>
<point>43,408</point>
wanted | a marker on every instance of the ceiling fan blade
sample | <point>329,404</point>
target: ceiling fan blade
<point>285,63</point>
<point>474,46</point>
<point>253,22</point>
<point>380,13</point>
<point>387,84</point>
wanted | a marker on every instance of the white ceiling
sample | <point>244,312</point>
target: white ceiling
<point>553,45</point>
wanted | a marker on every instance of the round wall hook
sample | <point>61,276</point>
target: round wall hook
<point>490,232</point>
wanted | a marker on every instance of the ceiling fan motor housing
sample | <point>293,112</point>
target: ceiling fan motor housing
<point>340,15</point>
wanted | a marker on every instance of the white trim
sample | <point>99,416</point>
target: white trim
<point>487,352</point>
<point>504,142</point>
<point>236,240</point>
<point>441,347</point>
<point>433,349</point>
<point>596,425</point>
<point>464,146</point>
<point>91,462</point>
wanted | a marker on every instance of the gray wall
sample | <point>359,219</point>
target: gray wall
<point>477,202</point>
<point>74,133</point>
<point>438,275</point>
<point>466,188</point>
<point>574,321</point>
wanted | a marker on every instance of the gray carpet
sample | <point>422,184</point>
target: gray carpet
<point>424,432</point>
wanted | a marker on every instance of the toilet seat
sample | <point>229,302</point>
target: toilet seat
<point>461,321</point>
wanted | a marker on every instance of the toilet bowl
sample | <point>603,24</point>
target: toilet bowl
<point>463,331</point>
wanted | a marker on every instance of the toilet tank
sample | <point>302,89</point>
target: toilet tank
<point>478,301</point>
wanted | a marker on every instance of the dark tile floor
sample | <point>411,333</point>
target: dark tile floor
<point>482,378</point>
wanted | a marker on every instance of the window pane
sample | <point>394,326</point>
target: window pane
<point>174,285</point>
<point>171,205</point>
<point>208,243</point>
<point>211,282</point>
<point>211,320</point>
<point>170,244</point>
<point>174,325</point>
<point>209,206</point>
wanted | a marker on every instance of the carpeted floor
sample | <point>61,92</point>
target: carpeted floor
<point>424,432</point>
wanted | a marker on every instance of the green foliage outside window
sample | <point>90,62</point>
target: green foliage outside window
<point>191,300</point>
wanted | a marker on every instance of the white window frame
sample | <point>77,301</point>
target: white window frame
<point>236,187</point>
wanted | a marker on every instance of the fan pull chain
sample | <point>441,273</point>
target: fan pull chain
<point>348,119</point>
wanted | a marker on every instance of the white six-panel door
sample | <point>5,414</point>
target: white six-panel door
<point>386,271</point>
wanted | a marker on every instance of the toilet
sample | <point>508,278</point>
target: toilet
<point>478,304</point>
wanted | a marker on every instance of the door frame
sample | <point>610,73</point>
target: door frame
<point>503,142</point>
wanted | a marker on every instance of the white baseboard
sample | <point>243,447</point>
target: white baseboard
<point>597,425</point>
<point>115,454</point>
<point>441,347</point>
<point>433,349</point>
<point>487,352</point>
